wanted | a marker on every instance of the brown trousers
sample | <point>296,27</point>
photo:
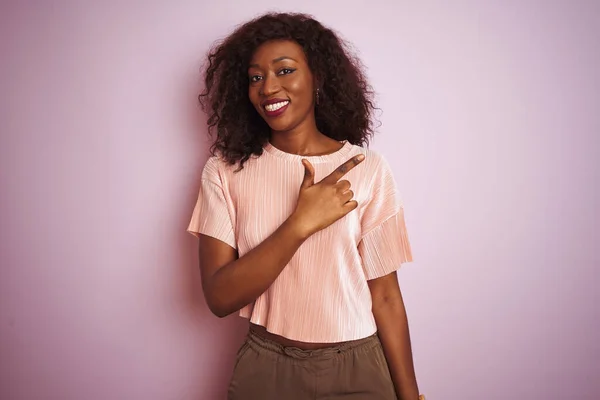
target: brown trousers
<point>266,370</point>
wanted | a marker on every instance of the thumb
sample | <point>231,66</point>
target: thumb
<point>309,174</point>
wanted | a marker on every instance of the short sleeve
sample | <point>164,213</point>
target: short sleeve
<point>212,215</point>
<point>384,245</point>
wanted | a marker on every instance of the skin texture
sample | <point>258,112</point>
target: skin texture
<point>280,70</point>
<point>392,326</point>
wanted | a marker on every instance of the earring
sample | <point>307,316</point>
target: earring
<point>317,96</point>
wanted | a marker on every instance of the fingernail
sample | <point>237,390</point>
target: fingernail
<point>361,157</point>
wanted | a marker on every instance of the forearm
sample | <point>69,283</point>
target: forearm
<point>240,282</point>
<point>392,326</point>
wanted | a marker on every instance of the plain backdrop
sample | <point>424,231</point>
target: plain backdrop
<point>490,120</point>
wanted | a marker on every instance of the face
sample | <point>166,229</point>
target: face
<point>281,85</point>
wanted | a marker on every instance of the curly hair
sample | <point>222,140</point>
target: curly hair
<point>346,103</point>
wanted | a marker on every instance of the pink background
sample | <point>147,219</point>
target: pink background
<point>490,121</point>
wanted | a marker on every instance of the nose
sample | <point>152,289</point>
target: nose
<point>270,85</point>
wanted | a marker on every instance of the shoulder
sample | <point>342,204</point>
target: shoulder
<point>374,163</point>
<point>377,173</point>
<point>217,169</point>
<point>214,164</point>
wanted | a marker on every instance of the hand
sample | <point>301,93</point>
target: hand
<point>321,204</point>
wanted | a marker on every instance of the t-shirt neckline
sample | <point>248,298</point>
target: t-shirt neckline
<point>335,156</point>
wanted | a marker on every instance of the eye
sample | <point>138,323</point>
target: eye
<point>255,78</point>
<point>285,71</point>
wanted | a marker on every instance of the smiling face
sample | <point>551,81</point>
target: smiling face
<point>281,85</point>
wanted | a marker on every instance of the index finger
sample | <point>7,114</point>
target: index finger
<point>343,169</point>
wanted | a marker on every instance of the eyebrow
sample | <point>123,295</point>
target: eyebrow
<point>275,60</point>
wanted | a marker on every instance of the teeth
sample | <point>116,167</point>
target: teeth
<point>276,106</point>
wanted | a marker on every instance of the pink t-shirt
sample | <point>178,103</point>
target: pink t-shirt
<point>322,294</point>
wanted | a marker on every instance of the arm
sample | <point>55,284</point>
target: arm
<point>392,325</point>
<point>230,283</point>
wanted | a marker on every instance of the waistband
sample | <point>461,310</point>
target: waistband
<point>254,339</point>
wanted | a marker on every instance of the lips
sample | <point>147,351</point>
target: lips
<point>275,107</point>
<point>272,101</point>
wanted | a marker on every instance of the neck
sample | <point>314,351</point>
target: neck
<point>305,140</point>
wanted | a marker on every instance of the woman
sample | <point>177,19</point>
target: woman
<point>300,228</point>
